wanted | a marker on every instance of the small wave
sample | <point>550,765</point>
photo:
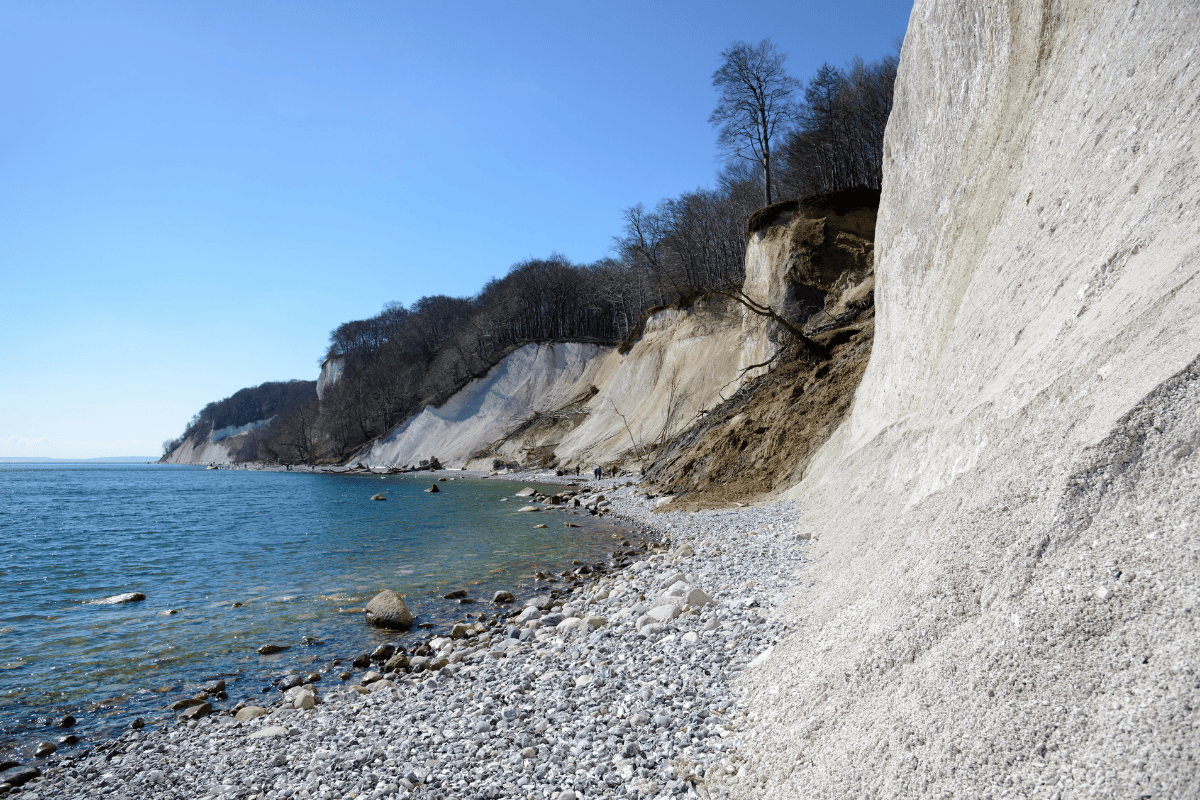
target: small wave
<point>283,598</point>
<point>334,598</point>
<point>7,630</point>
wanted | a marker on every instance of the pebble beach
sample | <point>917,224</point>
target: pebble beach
<point>620,684</point>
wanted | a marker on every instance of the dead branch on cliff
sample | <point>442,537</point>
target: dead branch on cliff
<point>763,310</point>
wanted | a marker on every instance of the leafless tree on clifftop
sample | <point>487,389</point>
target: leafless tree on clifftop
<point>756,103</point>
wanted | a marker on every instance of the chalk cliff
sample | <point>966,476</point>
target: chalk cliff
<point>582,404</point>
<point>218,447</point>
<point>1004,595</point>
<point>611,407</point>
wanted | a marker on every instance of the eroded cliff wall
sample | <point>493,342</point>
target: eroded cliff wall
<point>686,360</point>
<point>200,450</point>
<point>1004,596</point>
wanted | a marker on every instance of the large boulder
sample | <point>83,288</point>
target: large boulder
<point>20,775</point>
<point>388,610</point>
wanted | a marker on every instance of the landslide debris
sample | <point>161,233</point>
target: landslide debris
<point>812,262</point>
<point>761,439</point>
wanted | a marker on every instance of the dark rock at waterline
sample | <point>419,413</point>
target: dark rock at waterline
<point>138,724</point>
<point>238,604</point>
<point>383,652</point>
<point>290,682</point>
<point>186,702</point>
<point>215,688</point>
<point>388,610</point>
<point>7,765</point>
<point>378,497</point>
<point>503,597</point>
<point>196,712</point>
<point>44,749</point>
<point>66,722</point>
<point>457,593</point>
<point>272,649</point>
<point>112,600</point>
<point>433,488</point>
<point>19,776</point>
<point>69,739</point>
<point>466,601</point>
<point>361,661</point>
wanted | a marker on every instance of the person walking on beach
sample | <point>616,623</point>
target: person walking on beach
<point>597,472</point>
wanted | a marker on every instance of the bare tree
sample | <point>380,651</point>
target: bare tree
<point>756,103</point>
<point>838,141</point>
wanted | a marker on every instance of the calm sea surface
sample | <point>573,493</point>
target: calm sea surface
<point>297,549</point>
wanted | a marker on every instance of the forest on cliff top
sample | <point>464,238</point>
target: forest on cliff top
<point>825,135</point>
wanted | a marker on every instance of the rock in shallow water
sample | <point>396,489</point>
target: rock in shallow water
<point>112,600</point>
<point>388,610</point>
<point>196,712</point>
<point>272,649</point>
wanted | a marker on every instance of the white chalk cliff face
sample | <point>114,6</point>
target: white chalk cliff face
<point>200,450</point>
<point>217,447</point>
<point>534,378</point>
<point>331,373</point>
<point>685,361</point>
<point>1005,589</point>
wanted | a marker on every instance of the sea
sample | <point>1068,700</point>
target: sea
<point>302,553</point>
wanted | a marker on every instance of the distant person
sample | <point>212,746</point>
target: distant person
<point>597,472</point>
<point>577,471</point>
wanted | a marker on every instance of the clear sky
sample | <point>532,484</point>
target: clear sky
<point>193,195</point>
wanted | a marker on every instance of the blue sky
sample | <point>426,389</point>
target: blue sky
<point>192,195</point>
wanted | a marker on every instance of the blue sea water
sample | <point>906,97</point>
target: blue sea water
<point>298,550</point>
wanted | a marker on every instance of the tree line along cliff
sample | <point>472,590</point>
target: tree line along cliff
<point>379,371</point>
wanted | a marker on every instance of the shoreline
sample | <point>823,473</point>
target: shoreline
<point>606,639</point>
<point>79,741</point>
